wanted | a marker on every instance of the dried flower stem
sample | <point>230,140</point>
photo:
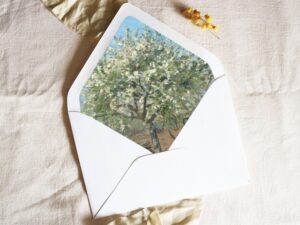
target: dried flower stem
<point>203,22</point>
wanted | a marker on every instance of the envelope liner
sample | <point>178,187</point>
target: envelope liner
<point>145,86</point>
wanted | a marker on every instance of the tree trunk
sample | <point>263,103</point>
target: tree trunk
<point>154,138</point>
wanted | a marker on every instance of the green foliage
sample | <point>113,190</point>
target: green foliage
<point>145,82</point>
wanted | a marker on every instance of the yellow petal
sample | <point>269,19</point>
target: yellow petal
<point>196,14</point>
<point>187,13</point>
<point>196,21</point>
<point>207,17</point>
<point>204,26</point>
<point>189,10</point>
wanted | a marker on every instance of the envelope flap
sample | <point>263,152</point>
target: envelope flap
<point>207,157</point>
<point>102,156</point>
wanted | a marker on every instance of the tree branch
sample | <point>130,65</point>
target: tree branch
<point>145,106</point>
<point>152,118</point>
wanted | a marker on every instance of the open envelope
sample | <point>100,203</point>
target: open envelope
<point>121,175</point>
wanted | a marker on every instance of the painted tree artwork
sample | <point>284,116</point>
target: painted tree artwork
<point>145,86</point>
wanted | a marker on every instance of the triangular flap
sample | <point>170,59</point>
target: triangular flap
<point>212,121</point>
<point>102,155</point>
<point>207,157</point>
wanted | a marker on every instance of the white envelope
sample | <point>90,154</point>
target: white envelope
<point>121,175</point>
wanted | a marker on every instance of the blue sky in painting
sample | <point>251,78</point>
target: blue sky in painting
<point>131,23</point>
<point>134,24</point>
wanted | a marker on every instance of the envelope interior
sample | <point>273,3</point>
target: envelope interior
<point>145,86</point>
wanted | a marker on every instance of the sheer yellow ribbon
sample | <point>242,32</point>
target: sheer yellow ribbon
<point>88,18</point>
<point>184,212</point>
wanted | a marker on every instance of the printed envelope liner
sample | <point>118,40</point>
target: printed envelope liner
<point>145,86</point>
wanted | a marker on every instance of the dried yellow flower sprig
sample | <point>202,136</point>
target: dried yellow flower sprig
<point>203,22</point>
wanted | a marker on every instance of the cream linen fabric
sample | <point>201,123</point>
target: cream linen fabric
<point>40,179</point>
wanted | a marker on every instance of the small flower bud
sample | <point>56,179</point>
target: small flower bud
<point>207,17</point>
<point>215,28</point>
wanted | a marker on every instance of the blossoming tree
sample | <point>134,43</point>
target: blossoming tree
<point>145,83</point>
